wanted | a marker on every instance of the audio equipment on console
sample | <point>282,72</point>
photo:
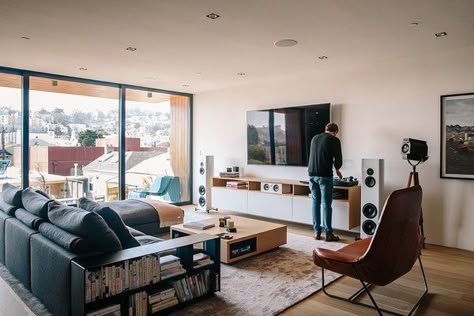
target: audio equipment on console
<point>371,195</point>
<point>345,182</point>
<point>206,172</point>
<point>271,187</point>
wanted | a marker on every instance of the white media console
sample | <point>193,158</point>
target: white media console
<point>292,203</point>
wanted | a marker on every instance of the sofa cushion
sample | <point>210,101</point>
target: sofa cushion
<point>6,207</point>
<point>12,195</point>
<point>29,219</point>
<point>88,225</point>
<point>134,232</point>
<point>112,219</point>
<point>43,194</point>
<point>66,240</point>
<point>35,203</point>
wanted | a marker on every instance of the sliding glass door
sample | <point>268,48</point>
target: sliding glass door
<point>157,145</point>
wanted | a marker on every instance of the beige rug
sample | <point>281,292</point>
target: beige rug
<point>267,284</point>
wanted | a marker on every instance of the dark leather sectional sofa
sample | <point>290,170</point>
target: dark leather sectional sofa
<point>39,238</point>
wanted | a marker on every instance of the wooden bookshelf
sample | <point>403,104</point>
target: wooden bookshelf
<point>182,248</point>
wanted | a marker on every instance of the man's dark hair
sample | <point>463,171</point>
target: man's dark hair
<point>332,127</point>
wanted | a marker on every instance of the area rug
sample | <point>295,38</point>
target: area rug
<point>24,294</point>
<point>267,284</point>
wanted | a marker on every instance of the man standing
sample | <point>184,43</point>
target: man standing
<point>324,153</point>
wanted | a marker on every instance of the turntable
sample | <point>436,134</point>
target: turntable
<point>346,182</point>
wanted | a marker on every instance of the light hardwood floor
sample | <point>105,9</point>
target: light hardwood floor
<point>449,271</point>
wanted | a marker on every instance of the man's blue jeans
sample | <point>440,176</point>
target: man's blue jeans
<point>321,192</point>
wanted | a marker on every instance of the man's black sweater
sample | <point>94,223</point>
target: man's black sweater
<point>325,150</point>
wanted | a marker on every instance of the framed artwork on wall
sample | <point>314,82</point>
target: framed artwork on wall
<point>457,136</point>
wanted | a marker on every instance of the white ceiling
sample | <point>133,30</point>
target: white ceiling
<point>176,44</point>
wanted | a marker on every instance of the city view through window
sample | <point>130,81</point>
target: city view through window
<point>74,141</point>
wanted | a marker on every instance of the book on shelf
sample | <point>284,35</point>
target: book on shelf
<point>236,185</point>
<point>192,286</point>
<point>114,279</point>
<point>199,225</point>
<point>163,299</point>
<point>201,260</point>
<point>113,310</point>
<point>170,267</point>
<point>138,304</point>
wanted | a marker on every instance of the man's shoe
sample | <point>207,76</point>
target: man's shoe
<point>318,237</point>
<point>332,237</point>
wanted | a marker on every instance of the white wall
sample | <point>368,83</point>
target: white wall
<point>375,106</point>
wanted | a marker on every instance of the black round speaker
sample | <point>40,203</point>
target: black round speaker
<point>369,227</point>
<point>266,187</point>
<point>370,171</point>
<point>276,187</point>
<point>202,201</point>
<point>405,148</point>
<point>369,210</point>
<point>202,190</point>
<point>201,170</point>
<point>370,182</point>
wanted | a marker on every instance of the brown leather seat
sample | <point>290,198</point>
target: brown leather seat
<point>389,254</point>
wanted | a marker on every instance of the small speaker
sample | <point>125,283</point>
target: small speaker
<point>414,149</point>
<point>276,188</point>
<point>206,172</point>
<point>371,195</point>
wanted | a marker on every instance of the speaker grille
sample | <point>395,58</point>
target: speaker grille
<point>370,182</point>
<point>276,187</point>
<point>202,190</point>
<point>202,201</point>
<point>266,187</point>
<point>201,171</point>
<point>369,210</point>
<point>369,227</point>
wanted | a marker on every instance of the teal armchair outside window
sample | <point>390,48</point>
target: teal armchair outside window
<point>167,187</point>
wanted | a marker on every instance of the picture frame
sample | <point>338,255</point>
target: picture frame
<point>457,136</point>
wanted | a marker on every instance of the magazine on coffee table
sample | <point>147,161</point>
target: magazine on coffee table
<point>199,225</point>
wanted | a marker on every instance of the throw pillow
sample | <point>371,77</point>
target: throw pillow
<point>66,240</point>
<point>113,220</point>
<point>6,207</point>
<point>88,225</point>
<point>35,203</point>
<point>11,194</point>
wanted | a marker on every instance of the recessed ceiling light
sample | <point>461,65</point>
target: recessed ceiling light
<point>441,34</point>
<point>323,57</point>
<point>149,94</point>
<point>413,24</point>
<point>132,49</point>
<point>83,68</point>
<point>54,83</point>
<point>286,43</point>
<point>213,16</point>
<point>25,38</point>
<point>241,74</point>
<point>185,85</point>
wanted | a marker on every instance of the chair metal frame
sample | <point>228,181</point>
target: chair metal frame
<point>365,288</point>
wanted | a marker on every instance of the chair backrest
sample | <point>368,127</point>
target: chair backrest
<point>397,242</point>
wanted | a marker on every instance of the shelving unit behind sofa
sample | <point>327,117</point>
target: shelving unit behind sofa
<point>181,247</point>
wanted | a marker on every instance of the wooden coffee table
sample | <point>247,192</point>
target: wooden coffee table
<point>252,237</point>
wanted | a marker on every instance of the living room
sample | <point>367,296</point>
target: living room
<point>382,66</point>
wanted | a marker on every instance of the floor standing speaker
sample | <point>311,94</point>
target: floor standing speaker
<point>204,183</point>
<point>371,195</point>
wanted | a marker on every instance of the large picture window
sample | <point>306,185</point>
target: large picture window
<point>86,138</point>
<point>73,139</point>
<point>157,145</point>
<point>10,129</point>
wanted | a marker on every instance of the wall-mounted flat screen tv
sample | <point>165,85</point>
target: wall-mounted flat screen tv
<point>283,136</point>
